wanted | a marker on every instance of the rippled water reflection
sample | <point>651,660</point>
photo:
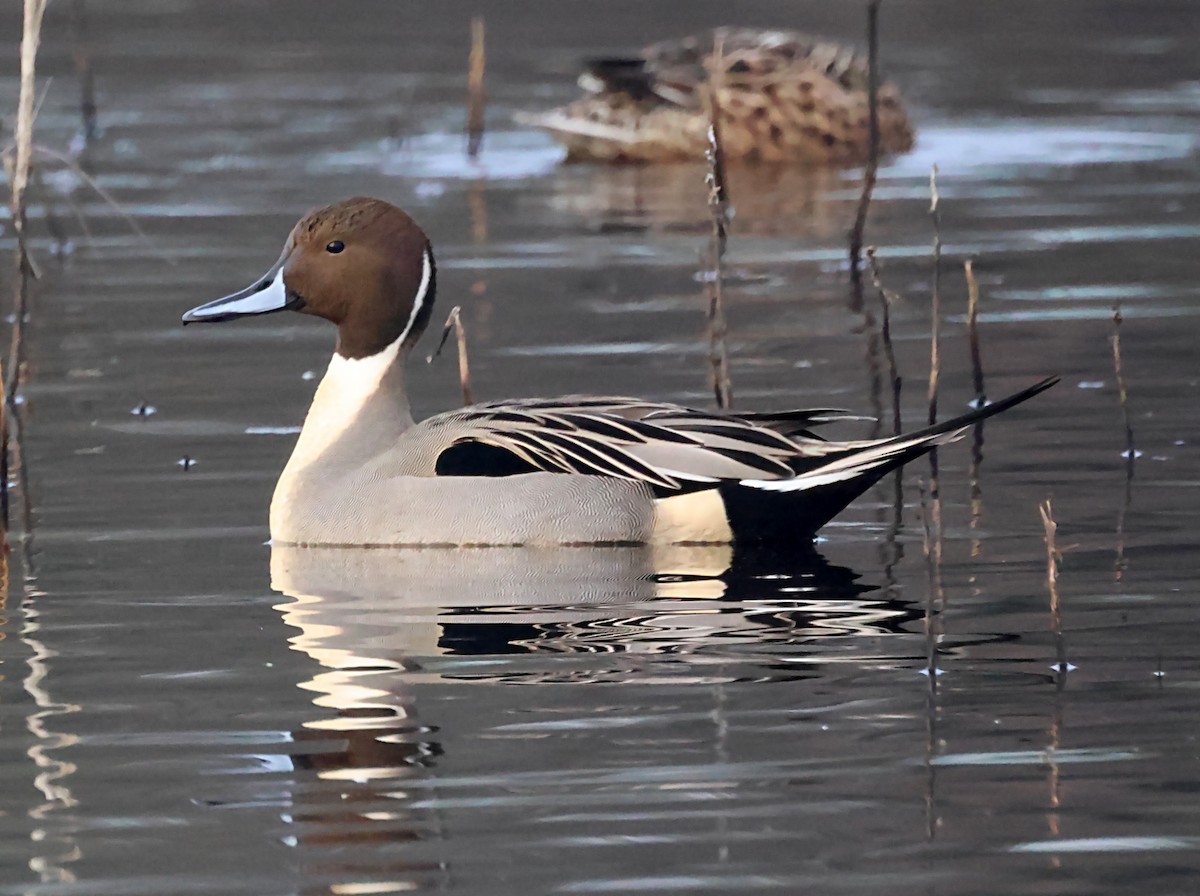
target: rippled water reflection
<point>183,709</point>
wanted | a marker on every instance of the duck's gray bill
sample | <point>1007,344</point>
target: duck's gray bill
<point>266,295</point>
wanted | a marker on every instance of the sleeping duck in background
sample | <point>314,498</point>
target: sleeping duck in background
<point>784,97</point>
<point>539,471</point>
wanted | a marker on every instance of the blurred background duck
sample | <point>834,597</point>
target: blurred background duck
<point>783,97</point>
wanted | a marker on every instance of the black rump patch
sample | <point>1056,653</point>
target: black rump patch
<point>480,459</point>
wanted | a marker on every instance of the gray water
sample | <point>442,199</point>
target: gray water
<point>184,710</point>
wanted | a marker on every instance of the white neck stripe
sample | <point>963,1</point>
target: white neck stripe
<point>420,297</point>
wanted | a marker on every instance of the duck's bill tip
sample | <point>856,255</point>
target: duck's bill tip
<point>266,295</point>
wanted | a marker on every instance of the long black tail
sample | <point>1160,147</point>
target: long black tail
<point>988,410</point>
<point>793,510</point>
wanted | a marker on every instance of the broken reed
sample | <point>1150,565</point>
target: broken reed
<point>872,167</point>
<point>718,206</point>
<point>454,322</point>
<point>475,93</point>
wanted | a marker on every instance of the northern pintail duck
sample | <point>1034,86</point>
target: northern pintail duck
<point>573,470</point>
<point>784,96</point>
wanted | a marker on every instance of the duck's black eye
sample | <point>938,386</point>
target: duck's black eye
<point>335,247</point>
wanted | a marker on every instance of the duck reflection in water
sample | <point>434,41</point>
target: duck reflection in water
<point>397,635</point>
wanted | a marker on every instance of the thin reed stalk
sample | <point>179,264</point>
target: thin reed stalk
<point>1050,529</point>
<point>870,173</point>
<point>935,310</point>
<point>454,322</point>
<point>718,206</point>
<point>19,175</point>
<point>1131,451</point>
<point>30,39</point>
<point>935,348</point>
<point>886,298</point>
<point>973,333</point>
<point>976,489</point>
<point>476,98</point>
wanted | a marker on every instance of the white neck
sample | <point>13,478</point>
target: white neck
<point>360,408</point>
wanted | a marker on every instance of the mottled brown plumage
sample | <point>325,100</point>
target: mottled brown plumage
<point>782,96</point>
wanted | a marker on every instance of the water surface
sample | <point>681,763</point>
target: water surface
<point>184,710</point>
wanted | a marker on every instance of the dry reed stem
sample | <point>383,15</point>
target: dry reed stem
<point>30,38</point>
<point>886,298</point>
<point>718,197</point>
<point>976,491</point>
<point>718,206</point>
<point>454,322</point>
<point>873,365</point>
<point>1121,563</point>
<point>476,97</point>
<point>872,168</point>
<point>1053,557</point>
<point>976,501</point>
<point>1131,451</point>
<point>973,333</point>
<point>1122,387</point>
<point>935,311</point>
<point>19,183</point>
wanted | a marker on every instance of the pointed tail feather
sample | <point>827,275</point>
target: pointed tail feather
<point>955,426</point>
<point>794,509</point>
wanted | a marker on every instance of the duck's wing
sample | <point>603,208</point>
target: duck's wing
<point>667,446</point>
<point>800,423</point>
<point>676,449</point>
